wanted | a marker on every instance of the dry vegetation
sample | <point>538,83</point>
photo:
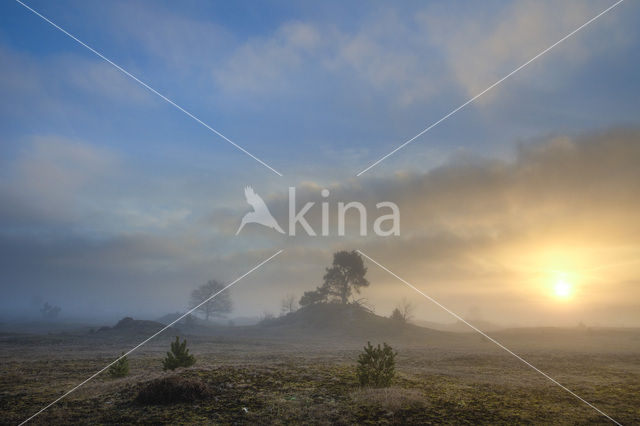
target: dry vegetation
<point>454,379</point>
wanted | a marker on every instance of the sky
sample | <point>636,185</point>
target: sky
<point>113,202</point>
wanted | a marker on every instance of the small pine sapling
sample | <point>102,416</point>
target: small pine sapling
<point>120,368</point>
<point>178,356</point>
<point>376,365</point>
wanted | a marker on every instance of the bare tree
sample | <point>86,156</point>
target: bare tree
<point>288,304</point>
<point>403,312</point>
<point>216,307</point>
<point>407,309</point>
<point>49,311</point>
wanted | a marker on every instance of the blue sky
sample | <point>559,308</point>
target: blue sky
<point>292,82</point>
<point>317,90</point>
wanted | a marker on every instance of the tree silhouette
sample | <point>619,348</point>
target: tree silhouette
<point>403,313</point>
<point>50,311</point>
<point>218,306</point>
<point>346,275</point>
<point>288,304</point>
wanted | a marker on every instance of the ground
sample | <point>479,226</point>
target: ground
<point>460,379</point>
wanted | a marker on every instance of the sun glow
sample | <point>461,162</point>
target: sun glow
<point>562,287</point>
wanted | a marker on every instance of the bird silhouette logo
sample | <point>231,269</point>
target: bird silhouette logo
<point>260,213</point>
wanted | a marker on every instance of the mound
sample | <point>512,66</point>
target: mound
<point>328,316</point>
<point>171,390</point>
<point>130,326</point>
<point>336,320</point>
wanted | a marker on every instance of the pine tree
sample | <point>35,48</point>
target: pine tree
<point>345,276</point>
<point>120,368</point>
<point>376,366</point>
<point>178,356</point>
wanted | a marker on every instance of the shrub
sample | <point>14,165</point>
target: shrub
<point>178,356</point>
<point>120,368</point>
<point>396,315</point>
<point>376,365</point>
<point>170,390</point>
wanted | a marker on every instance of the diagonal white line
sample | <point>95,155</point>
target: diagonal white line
<point>458,317</point>
<point>452,112</point>
<point>151,89</point>
<point>151,337</point>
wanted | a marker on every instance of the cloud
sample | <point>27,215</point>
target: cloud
<point>50,176</point>
<point>494,41</point>
<point>381,54</point>
<point>97,78</point>
<point>412,56</point>
<point>163,218</point>
<point>49,85</point>
<point>401,57</point>
<point>496,230</point>
<point>266,64</point>
<point>475,231</point>
<point>182,42</point>
<point>492,230</point>
<point>560,177</point>
<point>391,57</point>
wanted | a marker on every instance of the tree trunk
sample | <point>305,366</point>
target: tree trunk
<point>345,291</point>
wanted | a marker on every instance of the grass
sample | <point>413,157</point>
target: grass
<point>287,382</point>
<point>391,399</point>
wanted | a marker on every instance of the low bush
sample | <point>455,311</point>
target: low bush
<point>171,390</point>
<point>120,368</point>
<point>376,365</point>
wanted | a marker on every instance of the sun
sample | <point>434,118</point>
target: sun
<point>562,288</point>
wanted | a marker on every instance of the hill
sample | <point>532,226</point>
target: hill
<point>129,327</point>
<point>460,327</point>
<point>340,321</point>
<point>343,324</point>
